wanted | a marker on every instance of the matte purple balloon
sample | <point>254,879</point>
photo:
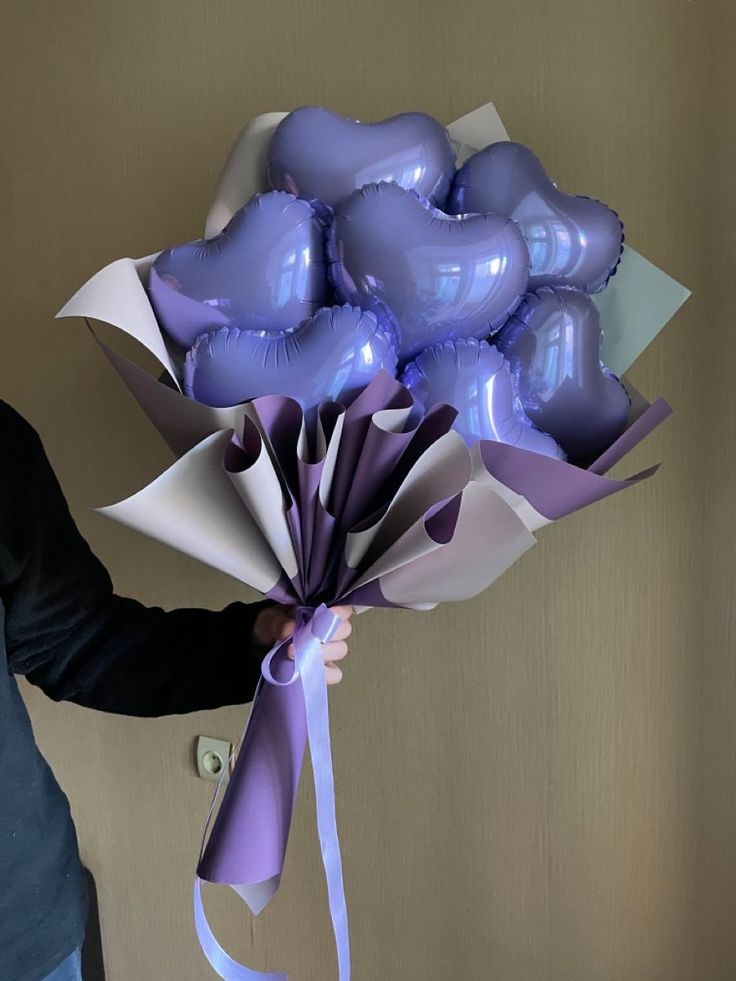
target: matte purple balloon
<point>265,271</point>
<point>553,344</point>
<point>573,241</point>
<point>315,153</point>
<point>437,277</point>
<point>473,377</point>
<point>332,355</point>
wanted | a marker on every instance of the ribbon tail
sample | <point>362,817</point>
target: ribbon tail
<point>222,963</point>
<point>311,670</point>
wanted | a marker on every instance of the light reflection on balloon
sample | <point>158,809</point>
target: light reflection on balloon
<point>438,277</point>
<point>553,346</point>
<point>332,355</point>
<point>474,378</point>
<point>265,271</point>
<point>315,153</point>
<point>573,241</point>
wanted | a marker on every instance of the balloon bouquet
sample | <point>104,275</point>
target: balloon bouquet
<point>428,290</point>
<point>383,375</point>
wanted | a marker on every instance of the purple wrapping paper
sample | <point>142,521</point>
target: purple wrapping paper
<point>248,842</point>
<point>375,506</point>
<point>342,521</point>
<point>247,845</point>
<point>556,489</point>
<point>307,676</point>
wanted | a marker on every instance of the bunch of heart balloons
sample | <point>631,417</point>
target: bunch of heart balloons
<point>373,252</point>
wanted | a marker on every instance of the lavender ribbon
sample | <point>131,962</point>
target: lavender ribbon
<point>313,629</point>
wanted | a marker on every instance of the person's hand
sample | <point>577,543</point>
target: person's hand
<point>277,623</point>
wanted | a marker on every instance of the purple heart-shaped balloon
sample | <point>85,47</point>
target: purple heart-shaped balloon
<point>438,277</point>
<point>474,378</point>
<point>573,241</point>
<point>332,355</point>
<point>315,153</point>
<point>553,345</point>
<point>264,271</point>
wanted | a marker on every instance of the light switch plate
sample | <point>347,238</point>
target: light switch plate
<point>212,757</point>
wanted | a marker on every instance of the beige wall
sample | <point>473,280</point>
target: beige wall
<point>534,786</point>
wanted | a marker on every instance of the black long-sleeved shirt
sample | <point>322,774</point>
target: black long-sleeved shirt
<point>68,633</point>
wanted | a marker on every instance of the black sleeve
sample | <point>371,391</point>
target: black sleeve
<point>68,633</point>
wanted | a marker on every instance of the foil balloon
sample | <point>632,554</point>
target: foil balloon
<point>265,271</point>
<point>435,276</point>
<point>553,345</point>
<point>332,355</point>
<point>573,241</point>
<point>315,153</point>
<point>474,378</point>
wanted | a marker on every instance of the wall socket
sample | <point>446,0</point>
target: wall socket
<point>212,756</point>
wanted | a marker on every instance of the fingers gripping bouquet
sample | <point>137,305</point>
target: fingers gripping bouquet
<point>395,357</point>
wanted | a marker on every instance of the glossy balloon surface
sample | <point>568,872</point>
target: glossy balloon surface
<point>474,378</point>
<point>265,271</point>
<point>573,241</point>
<point>332,355</point>
<point>315,153</point>
<point>438,277</point>
<point>553,344</point>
